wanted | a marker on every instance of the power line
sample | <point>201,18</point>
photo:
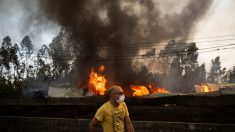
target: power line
<point>115,58</point>
<point>217,46</point>
<point>218,49</point>
<point>217,36</point>
<point>178,40</point>
<point>175,50</point>
<point>146,46</point>
<point>170,53</point>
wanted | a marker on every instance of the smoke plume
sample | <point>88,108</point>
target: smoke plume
<point>110,26</point>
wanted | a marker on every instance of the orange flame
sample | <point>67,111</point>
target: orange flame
<point>204,88</point>
<point>101,68</point>
<point>97,82</point>
<point>143,90</point>
<point>157,90</point>
<point>139,90</point>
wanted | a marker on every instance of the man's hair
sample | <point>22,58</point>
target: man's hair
<point>110,90</point>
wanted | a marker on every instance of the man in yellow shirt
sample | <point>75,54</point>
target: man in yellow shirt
<point>113,115</point>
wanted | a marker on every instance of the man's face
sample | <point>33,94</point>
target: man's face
<point>116,93</point>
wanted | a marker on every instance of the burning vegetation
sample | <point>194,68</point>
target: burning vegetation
<point>97,81</point>
<point>139,90</point>
<point>205,88</point>
<point>97,85</point>
<point>145,90</point>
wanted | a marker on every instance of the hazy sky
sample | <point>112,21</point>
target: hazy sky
<point>219,21</point>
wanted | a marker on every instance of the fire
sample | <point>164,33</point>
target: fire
<point>101,68</point>
<point>139,90</point>
<point>204,88</point>
<point>97,82</point>
<point>157,90</point>
<point>143,90</point>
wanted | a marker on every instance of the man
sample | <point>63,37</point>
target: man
<point>113,115</point>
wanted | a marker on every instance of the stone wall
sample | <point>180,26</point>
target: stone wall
<point>36,124</point>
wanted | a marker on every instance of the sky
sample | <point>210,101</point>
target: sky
<point>218,23</point>
<point>17,20</point>
<point>217,26</point>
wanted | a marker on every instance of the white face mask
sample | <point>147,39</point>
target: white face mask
<point>121,99</point>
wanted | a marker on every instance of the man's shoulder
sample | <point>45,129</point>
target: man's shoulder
<point>123,104</point>
<point>105,105</point>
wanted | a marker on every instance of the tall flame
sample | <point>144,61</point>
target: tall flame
<point>97,82</point>
<point>204,88</point>
<point>143,90</point>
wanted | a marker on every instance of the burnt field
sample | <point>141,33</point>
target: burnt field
<point>203,108</point>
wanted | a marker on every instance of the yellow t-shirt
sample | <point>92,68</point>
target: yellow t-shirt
<point>111,117</point>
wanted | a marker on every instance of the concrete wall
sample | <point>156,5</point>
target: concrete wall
<point>64,92</point>
<point>28,124</point>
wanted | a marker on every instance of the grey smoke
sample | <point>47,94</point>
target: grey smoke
<point>92,24</point>
<point>116,24</point>
<point>19,18</point>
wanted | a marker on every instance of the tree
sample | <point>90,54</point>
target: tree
<point>5,52</point>
<point>27,46</point>
<point>200,74</point>
<point>170,60</point>
<point>9,58</point>
<point>184,71</point>
<point>9,77</point>
<point>44,64</point>
<point>231,75</point>
<point>26,56</point>
<point>176,74</point>
<point>59,53</point>
<point>215,71</point>
<point>190,66</point>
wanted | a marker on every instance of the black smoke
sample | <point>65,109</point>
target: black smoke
<point>94,25</point>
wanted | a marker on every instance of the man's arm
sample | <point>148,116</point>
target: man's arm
<point>92,124</point>
<point>129,125</point>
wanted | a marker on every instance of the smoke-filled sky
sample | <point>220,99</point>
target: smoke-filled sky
<point>183,19</point>
<point>23,17</point>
